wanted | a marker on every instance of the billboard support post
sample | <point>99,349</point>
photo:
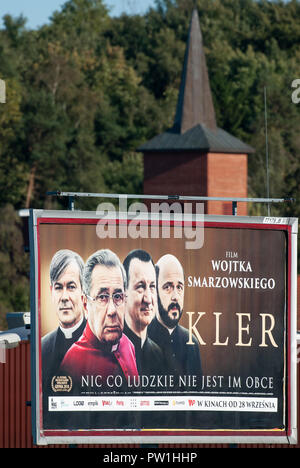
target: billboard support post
<point>71,203</point>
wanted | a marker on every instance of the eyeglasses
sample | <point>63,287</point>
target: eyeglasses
<point>103,299</point>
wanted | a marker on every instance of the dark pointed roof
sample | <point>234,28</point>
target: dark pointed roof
<point>195,104</point>
<point>198,138</point>
<point>195,125</point>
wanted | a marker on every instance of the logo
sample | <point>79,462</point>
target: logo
<point>178,403</point>
<point>61,383</point>
<point>106,403</point>
<point>145,403</point>
<point>134,227</point>
<point>64,404</point>
<point>192,402</point>
<point>78,403</point>
<point>93,403</point>
<point>119,403</point>
<point>53,404</point>
<point>161,403</point>
<point>133,403</point>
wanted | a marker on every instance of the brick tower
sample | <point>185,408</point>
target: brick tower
<point>195,157</point>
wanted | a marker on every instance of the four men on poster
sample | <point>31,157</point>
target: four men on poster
<point>132,327</point>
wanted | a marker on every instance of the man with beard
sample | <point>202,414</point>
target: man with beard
<point>183,359</point>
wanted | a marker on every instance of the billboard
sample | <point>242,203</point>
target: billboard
<point>157,329</point>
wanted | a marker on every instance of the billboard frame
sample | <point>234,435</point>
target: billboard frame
<point>45,437</point>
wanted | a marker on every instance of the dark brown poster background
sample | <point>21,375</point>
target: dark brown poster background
<point>252,359</point>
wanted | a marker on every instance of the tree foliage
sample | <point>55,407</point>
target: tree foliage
<point>14,265</point>
<point>84,91</point>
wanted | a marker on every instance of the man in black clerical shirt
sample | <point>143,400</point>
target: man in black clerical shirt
<point>141,304</point>
<point>183,359</point>
<point>66,271</point>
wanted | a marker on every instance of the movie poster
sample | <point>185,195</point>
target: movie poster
<point>139,332</point>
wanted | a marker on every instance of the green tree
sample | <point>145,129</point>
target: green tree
<point>14,265</point>
<point>86,90</point>
<point>13,178</point>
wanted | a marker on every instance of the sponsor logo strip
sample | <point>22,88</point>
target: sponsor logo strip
<point>205,403</point>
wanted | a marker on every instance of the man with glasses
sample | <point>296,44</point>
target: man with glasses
<point>183,359</point>
<point>103,358</point>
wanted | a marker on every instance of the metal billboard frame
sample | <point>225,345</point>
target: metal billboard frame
<point>290,225</point>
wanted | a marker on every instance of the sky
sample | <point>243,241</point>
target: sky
<point>38,12</point>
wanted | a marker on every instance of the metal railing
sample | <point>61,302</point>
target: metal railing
<point>233,200</point>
